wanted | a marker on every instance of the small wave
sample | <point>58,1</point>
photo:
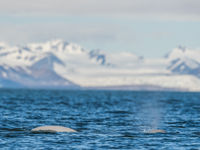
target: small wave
<point>13,129</point>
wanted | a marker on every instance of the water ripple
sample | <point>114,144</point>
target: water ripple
<point>103,119</point>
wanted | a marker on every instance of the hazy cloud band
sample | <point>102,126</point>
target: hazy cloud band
<point>188,9</point>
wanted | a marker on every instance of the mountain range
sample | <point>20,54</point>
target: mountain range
<point>59,64</point>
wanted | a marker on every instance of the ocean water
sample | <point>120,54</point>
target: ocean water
<point>103,119</point>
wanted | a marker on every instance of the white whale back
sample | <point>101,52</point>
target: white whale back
<point>52,129</point>
<point>156,131</point>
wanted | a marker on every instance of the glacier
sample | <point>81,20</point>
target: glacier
<point>60,64</point>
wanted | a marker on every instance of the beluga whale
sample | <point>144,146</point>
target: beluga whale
<point>153,131</point>
<point>51,128</point>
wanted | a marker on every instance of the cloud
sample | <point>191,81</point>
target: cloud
<point>73,32</point>
<point>178,9</point>
<point>139,25</point>
<point>90,35</point>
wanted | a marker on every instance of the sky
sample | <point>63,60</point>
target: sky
<point>149,28</point>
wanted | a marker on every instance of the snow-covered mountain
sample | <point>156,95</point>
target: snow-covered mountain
<point>185,61</point>
<point>59,64</point>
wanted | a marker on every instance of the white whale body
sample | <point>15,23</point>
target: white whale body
<point>156,131</point>
<point>52,129</point>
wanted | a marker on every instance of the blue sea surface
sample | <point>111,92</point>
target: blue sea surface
<point>103,119</point>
